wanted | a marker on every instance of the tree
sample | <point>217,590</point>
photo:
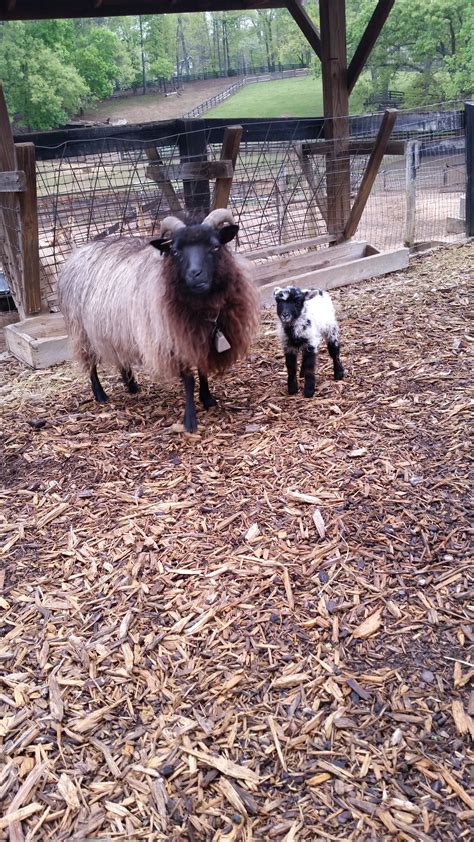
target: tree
<point>41,89</point>
<point>102,61</point>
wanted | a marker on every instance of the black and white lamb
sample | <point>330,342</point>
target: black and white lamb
<point>171,305</point>
<point>305,317</point>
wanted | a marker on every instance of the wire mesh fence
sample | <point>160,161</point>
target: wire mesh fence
<point>279,190</point>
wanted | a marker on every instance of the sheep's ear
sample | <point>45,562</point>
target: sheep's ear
<point>227,233</point>
<point>163,244</point>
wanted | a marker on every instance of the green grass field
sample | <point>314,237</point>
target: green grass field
<point>301,96</point>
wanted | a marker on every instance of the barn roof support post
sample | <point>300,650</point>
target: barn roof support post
<point>336,111</point>
<point>469,110</point>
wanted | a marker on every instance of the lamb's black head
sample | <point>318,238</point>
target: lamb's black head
<point>290,302</point>
<point>194,249</point>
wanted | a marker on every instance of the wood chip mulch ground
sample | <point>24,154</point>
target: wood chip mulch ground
<point>262,632</point>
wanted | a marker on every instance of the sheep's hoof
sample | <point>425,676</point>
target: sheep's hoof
<point>308,391</point>
<point>209,401</point>
<point>292,388</point>
<point>100,397</point>
<point>339,373</point>
<point>190,424</point>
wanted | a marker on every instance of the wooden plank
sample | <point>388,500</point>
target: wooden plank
<point>336,110</point>
<point>12,182</point>
<point>356,147</point>
<point>39,342</point>
<point>206,169</point>
<point>294,245</point>
<point>290,266</point>
<point>411,165</point>
<point>156,172</point>
<point>308,28</point>
<point>9,213</point>
<point>368,40</point>
<point>371,170</point>
<point>229,151</point>
<point>25,154</point>
<point>343,274</point>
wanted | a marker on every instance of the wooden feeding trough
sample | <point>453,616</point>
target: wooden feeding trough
<point>40,342</point>
<point>307,263</point>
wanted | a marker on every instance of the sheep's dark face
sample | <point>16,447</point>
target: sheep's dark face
<point>194,250</point>
<point>290,302</point>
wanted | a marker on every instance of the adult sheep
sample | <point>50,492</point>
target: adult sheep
<point>194,307</point>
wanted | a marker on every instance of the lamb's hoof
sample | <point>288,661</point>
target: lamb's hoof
<point>209,402</point>
<point>292,388</point>
<point>308,392</point>
<point>339,374</point>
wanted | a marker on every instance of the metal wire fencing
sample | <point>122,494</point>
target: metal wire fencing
<point>279,187</point>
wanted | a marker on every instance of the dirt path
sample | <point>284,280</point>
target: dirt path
<point>143,109</point>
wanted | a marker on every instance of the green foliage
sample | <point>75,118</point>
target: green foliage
<point>40,89</point>
<point>50,68</point>
<point>102,61</point>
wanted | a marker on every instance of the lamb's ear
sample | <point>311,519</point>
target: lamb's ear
<point>277,292</point>
<point>163,244</point>
<point>227,233</point>
<point>310,293</point>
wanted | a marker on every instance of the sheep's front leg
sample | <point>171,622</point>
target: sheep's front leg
<point>333,348</point>
<point>308,366</point>
<point>290,360</point>
<point>190,419</point>
<point>205,396</point>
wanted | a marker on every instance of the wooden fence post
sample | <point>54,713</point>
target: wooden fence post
<point>469,111</point>
<point>193,147</point>
<point>25,154</point>
<point>10,250</point>
<point>412,164</point>
<point>229,152</point>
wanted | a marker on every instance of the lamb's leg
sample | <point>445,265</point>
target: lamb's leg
<point>290,360</point>
<point>129,381</point>
<point>333,348</point>
<point>97,389</point>
<point>309,364</point>
<point>205,396</point>
<point>189,420</point>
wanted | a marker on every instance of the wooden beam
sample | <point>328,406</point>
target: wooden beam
<point>336,111</point>
<point>356,147</point>
<point>301,17</point>
<point>368,41</point>
<point>229,151</point>
<point>157,172</point>
<point>9,213</point>
<point>12,182</point>
<point>371,170</point>
<point>25,154</point>
<point>33,10</point>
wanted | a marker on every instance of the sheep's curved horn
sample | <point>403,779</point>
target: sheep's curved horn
<point>169,225</point>
<point>216,218</point>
